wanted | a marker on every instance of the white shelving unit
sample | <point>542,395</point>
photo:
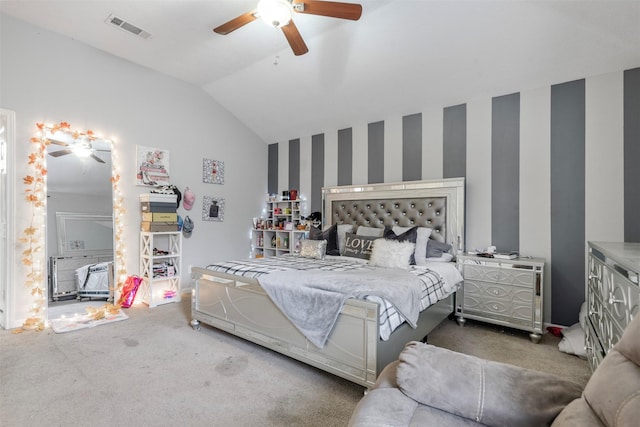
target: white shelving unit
<point>278,233</point>
<point>160,267</point>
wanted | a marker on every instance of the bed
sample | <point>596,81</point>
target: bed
<point>95,280</point>
<point>80,276</point>
<point>236,302</point>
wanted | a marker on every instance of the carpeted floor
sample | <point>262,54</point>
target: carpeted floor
<point>154,370</point>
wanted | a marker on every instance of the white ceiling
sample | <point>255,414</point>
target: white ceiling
<point>401,57</point>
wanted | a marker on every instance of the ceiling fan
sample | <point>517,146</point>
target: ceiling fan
<point>82,148</point>
<point>279,14</point>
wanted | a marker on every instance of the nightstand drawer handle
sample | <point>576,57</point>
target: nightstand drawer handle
<point>495,292</point>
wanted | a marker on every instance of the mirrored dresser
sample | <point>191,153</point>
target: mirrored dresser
<point>505,292</point>
<point>613,296</point>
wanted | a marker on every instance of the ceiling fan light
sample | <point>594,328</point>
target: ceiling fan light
<point>82,151</point>
<point>275,13</point>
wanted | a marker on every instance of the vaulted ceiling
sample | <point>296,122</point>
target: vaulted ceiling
<point>401,57</point>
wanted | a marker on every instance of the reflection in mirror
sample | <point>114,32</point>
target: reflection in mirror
<point>79,235</point>
<point>84,233</point>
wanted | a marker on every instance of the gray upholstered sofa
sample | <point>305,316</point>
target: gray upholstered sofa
<point>431,386</point>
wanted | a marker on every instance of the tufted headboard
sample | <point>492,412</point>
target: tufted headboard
<point>437,204</point>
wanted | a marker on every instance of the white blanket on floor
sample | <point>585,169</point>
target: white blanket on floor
<point>573,341</point>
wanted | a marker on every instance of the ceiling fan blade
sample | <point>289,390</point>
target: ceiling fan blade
<point>329,8</point>
<point>60,153</point>
<point>236,23</point>
<point>96,158</point>
<point>53,141</point>
<point>295,39</point>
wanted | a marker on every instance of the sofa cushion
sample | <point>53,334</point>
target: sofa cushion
<point>577,413</point>
<point>487,392</point>
<point>426,416</point>
<point>613,391</point>
<point>629,344</point>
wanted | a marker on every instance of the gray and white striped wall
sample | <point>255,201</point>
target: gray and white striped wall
<point>546,169</point>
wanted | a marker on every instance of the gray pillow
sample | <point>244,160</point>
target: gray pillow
<point>435,249</point>
<point>487,392</point>
<point>369,231</point>
<point>359,246</point>
<point>330,235</point>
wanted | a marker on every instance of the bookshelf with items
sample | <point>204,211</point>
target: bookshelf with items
<point>160,267</point>
<point>280,232</point>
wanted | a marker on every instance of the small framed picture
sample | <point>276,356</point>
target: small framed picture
<point>152,166</point>
<point>212,171</point>
<point>212,208</point>
<point>288,226</point>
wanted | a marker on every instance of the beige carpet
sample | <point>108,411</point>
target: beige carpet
<point>154,370</point>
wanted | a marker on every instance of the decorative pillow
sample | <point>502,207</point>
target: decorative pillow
<point>369,231</point>
<point>421,241</point>
<point>436,249</point>
<point>358,246</point>
<point>487,392</point>
<point>313,248</point>
<point>343,229</point>
<point>392,253</point>
<point>330,235</point>
<point>446,257</point>
<point>408,236</point>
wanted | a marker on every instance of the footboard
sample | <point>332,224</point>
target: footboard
<point>353,351</point>
<point>242,308</point>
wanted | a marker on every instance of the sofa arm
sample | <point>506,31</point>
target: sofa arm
<point>383,407</point>
<point>487,392</point>
<point>387,378</point>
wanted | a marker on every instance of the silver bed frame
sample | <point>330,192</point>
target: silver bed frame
<point>354,350</point>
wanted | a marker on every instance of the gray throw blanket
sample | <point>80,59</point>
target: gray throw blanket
<point>312,299</point>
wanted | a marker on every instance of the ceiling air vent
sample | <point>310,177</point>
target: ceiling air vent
<point>127,26</point>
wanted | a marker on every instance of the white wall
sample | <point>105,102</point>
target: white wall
<point>48,78</point>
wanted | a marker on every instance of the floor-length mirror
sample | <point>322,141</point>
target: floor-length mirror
<point>79,234</point>
<point>7,124</point>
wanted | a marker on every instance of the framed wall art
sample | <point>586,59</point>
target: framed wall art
<point>212,171</point>
<point>212,208</point>
<point>152,166</point>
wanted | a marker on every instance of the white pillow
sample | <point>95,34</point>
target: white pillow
<point>421,241</point>
<point>391,254</point>
<point>446,257</point>
<point>343,229</point>
<point>369,231</point>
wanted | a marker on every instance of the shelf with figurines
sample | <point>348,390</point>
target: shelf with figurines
<point>282,227</point>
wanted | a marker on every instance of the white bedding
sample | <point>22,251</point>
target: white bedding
<point>445,274</point>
